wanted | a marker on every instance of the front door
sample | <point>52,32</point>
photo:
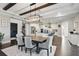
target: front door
<point>13,29</point>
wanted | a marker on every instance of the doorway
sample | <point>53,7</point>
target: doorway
<point>65,34</point>
<point>65,29</point>
<point>13,30</point>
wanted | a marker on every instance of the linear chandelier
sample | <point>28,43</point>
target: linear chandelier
<point>34,17</point>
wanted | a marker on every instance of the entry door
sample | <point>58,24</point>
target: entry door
<point>13,29</point>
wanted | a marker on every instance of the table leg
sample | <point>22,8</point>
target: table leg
<point>37,49</point>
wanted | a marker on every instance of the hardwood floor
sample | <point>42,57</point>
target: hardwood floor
<point>2,54</point>
<point>64,47</point>
<point>5,46</point>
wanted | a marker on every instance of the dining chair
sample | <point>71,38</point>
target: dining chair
<point>28,44</point>
<point>20,42</point>
<point>47,45</point>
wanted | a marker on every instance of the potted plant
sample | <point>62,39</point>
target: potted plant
<point>1,37</point>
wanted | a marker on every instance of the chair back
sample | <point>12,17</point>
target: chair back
<point>28,42</point>
<point>50,40</point>
<point>19,40</point>
<point>48,43</point>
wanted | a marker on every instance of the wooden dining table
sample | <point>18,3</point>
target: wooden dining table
<point>38,39</point>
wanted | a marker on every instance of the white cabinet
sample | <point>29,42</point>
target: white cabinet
<point>74,39</point>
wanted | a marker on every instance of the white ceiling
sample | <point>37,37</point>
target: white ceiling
<point>16,8</point>
<point>2,5</point>
<point>54,11</point>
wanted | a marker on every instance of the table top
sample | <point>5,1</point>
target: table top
<point>38,38</point>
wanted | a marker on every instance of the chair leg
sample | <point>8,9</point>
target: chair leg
<point>30,52</point>
<point>18,47</point>
<point>25,50</point>
<point>21,48</point>
<point>50,49</point>
<point>47,52</point>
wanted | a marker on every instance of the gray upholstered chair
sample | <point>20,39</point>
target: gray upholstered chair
<point>20,42</point>
<point>47,45</point>
<point>28,44</point>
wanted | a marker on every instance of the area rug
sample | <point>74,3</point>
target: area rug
<point>14,51</point>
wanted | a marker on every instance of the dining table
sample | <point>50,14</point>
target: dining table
<point>38,39</point>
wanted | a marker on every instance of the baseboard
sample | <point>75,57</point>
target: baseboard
<point>4,42</point>
<point>12,41</point>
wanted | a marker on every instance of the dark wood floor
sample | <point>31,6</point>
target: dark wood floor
<point>5,46</point>
<point>64,47</point>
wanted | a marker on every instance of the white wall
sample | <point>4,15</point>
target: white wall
<point>28,29</point>
<point>5,27</point>
<point>74,23</point>
<point>70,25</point>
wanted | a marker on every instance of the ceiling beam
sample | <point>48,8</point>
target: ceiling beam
<point>32,4</point>
<point>9,6</point>
<point>40,7</point>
